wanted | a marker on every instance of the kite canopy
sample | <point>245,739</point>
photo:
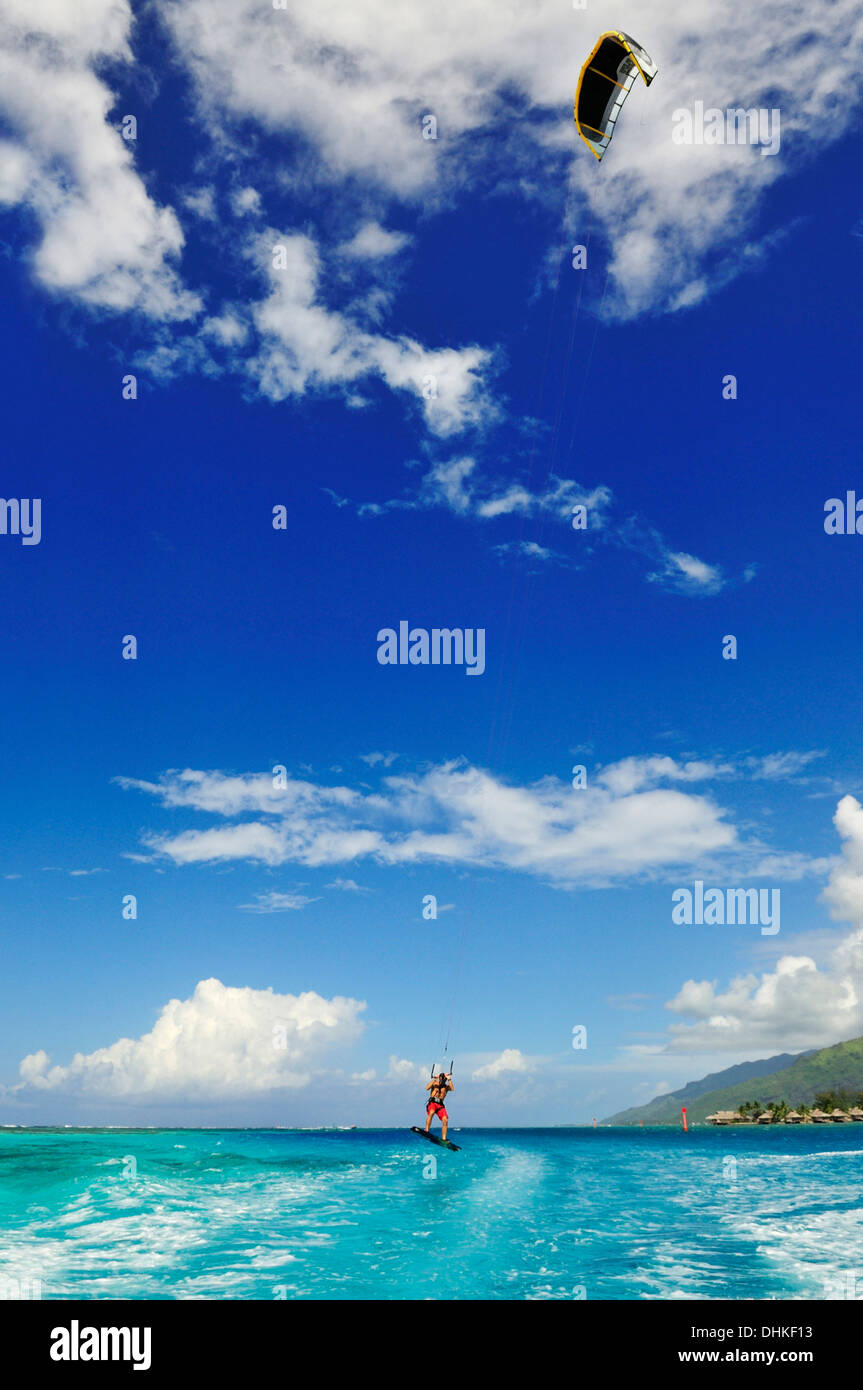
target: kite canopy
<point>604,84</point>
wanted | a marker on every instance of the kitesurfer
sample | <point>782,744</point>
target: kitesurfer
<point>438,1086</point>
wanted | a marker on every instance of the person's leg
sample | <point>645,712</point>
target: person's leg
<point>445,1124</point>
<point>429,1114</point>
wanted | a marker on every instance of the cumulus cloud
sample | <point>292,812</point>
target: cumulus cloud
<point>798,1004</point>
<point>353,82</point>
<point>221,1043</point>
<point>400,1069</point>
<point>373,242</point>
<point>629,775</point>
<point>246,201</point>
<point>341,92</point>
<point>106,243</point>
<point>794,1006</point>
<point>304,345</point>
<point>510,1060</point>
<point>104,240</point>
<point>844,892</point>
<point>624,825</point>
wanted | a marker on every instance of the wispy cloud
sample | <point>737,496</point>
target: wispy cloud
<point>637,817</point>
<point>384,759</point>
<point>458,485</point>
<point>277,902</point>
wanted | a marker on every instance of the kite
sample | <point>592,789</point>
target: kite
<point>604,84</point>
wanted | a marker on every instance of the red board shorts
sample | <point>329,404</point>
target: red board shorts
<point>437,1109</point>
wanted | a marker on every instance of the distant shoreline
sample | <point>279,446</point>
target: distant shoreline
<point>344,1130</point>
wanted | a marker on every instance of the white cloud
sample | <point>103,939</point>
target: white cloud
<point>246,201</point>
<point>373,242</point>
<point>798,1004</point>
<point>458,486</point>
<point>530,549</point>
<point>844,892</point>
<point>347,885</point>
<point>202,202</point>
<point>636,774</point>
<point>354,82</point>
<point>104,241</point>
<point>303,345</point>
<point>227,329</point>
<point>688,574</point>
<point>374,758</point>
<point>221,1043</point>
<point>510,1060</point>
<point>780,767</point>
<point>277,902</point>
<point>402,1070</point>
<point>342,89</point>
<point>456,814</point>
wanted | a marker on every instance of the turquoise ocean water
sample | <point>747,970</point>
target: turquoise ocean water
<point>381,1214</point>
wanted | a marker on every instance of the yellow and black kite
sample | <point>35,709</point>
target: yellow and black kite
<point>604,84</point>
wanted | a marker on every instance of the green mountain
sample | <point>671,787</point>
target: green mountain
<point>794,1079</point>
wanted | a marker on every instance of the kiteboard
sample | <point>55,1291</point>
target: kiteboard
<point>444,1143</point>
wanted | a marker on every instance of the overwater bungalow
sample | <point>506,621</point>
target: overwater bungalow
<point>792,1117</point>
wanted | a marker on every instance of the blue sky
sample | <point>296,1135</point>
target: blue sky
<point>445,504</point>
